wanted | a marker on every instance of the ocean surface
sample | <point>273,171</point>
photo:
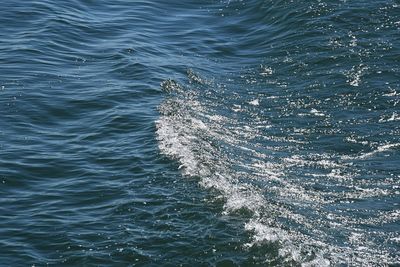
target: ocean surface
<point>200,133</point>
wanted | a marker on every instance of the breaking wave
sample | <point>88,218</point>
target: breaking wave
<point>307,207</point>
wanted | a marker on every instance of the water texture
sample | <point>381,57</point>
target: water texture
<point>200,133</point>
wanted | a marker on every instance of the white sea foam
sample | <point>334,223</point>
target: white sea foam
<point>317,113</point>
<point>255,102</point>
<point>392,93</point>
<point>266,71</point>
<point>355,74</point>
<point>223,154</point>
<point>393,117</point>
<point>379,149</point>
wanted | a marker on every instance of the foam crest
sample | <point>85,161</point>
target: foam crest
<point>379,149</point>
<point>307,220</point>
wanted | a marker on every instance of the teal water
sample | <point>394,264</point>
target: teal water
<point>200,133</point>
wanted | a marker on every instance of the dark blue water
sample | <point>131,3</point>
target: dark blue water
<point>200,133</point>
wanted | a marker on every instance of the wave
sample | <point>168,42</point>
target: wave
<point>313,218</point>
<point>281,134</point>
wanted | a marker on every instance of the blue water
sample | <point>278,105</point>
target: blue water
<point>200,133</point>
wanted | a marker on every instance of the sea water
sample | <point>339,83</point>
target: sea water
<point>200,133</point>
